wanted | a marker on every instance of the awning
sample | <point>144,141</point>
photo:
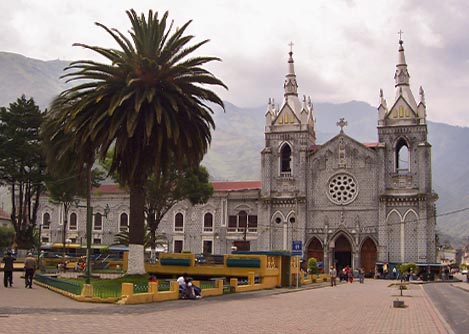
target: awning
<point>67,245</point>
<point>119,248</point>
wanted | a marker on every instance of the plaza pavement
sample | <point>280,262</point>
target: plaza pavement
<point>347,308</point>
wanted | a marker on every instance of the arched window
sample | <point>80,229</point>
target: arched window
<point>179,222</point>
<point>208,222</point>
<point>73,222</point>
<point>98,222</point>
<point>402,157</point>
<point>46,221</point>
<point>285,159</point>
<point>124,222</point>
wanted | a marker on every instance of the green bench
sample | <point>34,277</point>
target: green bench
<point>170,261</point>
<point>243,263</point>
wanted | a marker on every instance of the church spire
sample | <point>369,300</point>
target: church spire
<point>401,78</point>
<point>290,86</point>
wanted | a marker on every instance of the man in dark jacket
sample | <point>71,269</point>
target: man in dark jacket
<point>8,269</point>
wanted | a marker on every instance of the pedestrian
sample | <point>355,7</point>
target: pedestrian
<point>333,275</point>
<point>361,275</point>
<point>8,269</point>
<point>394,272</point>
<point>29,268</point>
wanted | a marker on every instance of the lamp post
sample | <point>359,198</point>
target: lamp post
<point>39,245</point>
<point>89,221</point>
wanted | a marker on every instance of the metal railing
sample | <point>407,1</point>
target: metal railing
<point>71,287</point>
<point>106,292</point>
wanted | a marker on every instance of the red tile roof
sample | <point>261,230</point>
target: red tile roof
<point>110,189</point>
<point>4,215</point>
<point>217,186</point>
<point>236,185</point>
<point>371,144</point>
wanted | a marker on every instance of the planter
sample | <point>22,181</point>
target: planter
<point>398,303</point>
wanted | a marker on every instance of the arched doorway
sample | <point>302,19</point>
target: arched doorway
<point>368,256</point>
<point>342,253</point>
<point>316,250</point>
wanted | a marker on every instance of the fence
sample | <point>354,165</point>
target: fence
<point>71,287</point>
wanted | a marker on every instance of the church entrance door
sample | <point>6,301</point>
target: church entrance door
<point>342,253</point>
<point>368,256</point>
<point>315,250</point>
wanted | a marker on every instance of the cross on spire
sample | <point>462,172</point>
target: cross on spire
<point>291,46</point>
<point>342,123</point>
<point>400,32</point>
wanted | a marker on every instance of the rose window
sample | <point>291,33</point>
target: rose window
<point>343,189</point>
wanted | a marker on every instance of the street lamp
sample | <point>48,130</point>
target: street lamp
<point>39,245</point>
<point>89,215</point>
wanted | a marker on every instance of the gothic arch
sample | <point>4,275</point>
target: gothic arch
<point>316,249</point>
<point>408,212</point>
<point>342,250</point>
<point>394,211</point>
<point>291,215</point>
<point>410,236</point>
<point>278,214</point>
<point>393,227</point>
<point>402,155</point>
<point>285,161</point>
<point>368,255</point>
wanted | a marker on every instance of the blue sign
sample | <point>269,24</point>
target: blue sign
<point>296,248</point>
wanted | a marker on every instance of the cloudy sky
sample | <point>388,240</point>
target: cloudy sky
<point>343,49</point>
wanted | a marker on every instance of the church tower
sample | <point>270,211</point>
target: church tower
<point>406,199</point>
<point>289,133</point>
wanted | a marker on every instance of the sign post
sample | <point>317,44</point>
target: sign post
<point>297,250</point>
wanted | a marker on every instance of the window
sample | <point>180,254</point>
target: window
<point>208,247</point>
<point>402,157</point>
<point>124,222</point>
<point>44,239</point>
<point>98,222</point>
<point>97,241</point>
<point>285,159</point>
<point>46,221</point>
<point>179,223</point>
<point>208,222</point>
<point>252,223</point>
<point>241,222</point>
<point>178,245</point>
<point>73,222</point>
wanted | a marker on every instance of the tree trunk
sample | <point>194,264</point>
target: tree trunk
<point>136,265</point>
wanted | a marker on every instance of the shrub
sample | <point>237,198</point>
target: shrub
<point>313,266</point>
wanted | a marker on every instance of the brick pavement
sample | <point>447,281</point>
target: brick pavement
<point>350,308</point>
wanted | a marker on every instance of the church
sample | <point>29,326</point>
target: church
<point>342,202</point>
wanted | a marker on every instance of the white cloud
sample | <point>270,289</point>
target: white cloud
<point>343,50</point>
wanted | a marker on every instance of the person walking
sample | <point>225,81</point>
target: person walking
<point>8,261</point>
<point>361,275</point>
<point>29,268</point>
<point>333,275</point>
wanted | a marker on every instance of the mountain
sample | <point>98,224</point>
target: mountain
<point>239,137</point>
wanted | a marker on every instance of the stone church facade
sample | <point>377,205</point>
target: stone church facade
<point>349,203</point>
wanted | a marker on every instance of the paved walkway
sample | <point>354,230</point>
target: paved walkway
<point>350,308</point>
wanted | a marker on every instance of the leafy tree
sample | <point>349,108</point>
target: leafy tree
<point>22,166</point>
<point>64,187</point>
<point>162,193</point>
<point>148,102</point>
<point>7,236</point>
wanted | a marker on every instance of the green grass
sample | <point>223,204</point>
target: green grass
<point>111,287</point>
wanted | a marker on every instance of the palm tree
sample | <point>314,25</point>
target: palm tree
<point>148,101</point>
